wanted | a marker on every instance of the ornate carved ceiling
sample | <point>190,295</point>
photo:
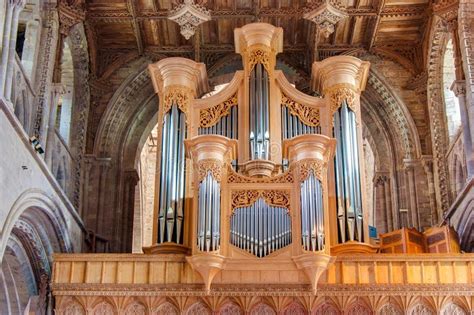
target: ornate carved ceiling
<point>394,27</point>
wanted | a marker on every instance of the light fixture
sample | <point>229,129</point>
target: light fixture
<point>36,145</point>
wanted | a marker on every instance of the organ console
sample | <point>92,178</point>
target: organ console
<point>260,174</point>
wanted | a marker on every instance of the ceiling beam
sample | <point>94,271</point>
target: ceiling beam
<point>373,34</point>
<point>136,25</point>
<point>407,10</point>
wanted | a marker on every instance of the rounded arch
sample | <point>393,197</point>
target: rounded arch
<point>438,38</point>
<point>36,207</point>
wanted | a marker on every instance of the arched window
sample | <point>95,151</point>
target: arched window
<point>65,103</point>
<point>453,115</point>
<point>28,37</point>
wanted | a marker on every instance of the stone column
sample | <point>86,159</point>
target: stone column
<point>459,89</point>
<point>17,7</point>
<point>131,179</point>
<point>413,216</point>
<point>427,163</point>
<point>48,134</point>
<point>382,184</point>
<point>104,166</point>
<point>13,7</point>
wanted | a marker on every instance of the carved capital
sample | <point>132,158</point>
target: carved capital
<point>179,95</point>
<point>210,165</point>
<point>259,56</point>
<point>308,115</point>
<point>459,88</point>
<point>304,167</point>
<point>339,93</point>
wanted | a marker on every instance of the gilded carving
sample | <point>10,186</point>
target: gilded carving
<point>304,167</point>
<point>210,116</point>
<point>179,95</point>
<point>308,115</point>
<point>210,165</point>
<point>259,56</point>
<point>236,178</point>
<point>339,93</point>
<point>278,198</point>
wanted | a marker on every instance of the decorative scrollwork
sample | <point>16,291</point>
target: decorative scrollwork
<point>179,95</point>
<point>308,115</point>
<point>259,56</point>
<point>236,178</point>
<point>278,198</point>
<point>210,116</point>
<point>339,93</point>
<point>304,167</point>
<point>210,165</point>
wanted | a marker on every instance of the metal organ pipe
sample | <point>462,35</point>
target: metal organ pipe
<point>261,228</point>
<point>172,185</point>
<point>312,214</point>
<point>348,190</point>
<point>209,215</point>
<point>259,113</point>
<point>292,125</point>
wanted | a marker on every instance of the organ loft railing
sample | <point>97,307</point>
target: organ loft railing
<point>259,174</point>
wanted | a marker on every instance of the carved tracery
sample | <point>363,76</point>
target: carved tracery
<point>308,115</point>
<point>279,198</point>
<point>210,116</point>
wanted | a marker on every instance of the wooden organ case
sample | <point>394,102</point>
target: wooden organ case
<point>260,176</point>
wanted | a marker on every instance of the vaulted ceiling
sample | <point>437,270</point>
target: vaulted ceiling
<point>394,28</point>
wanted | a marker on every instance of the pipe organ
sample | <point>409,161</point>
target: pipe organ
<point>259,170</point>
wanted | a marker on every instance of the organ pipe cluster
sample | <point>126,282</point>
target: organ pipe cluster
<point>260,229</point>
<point>227,126</point>
<point>209,211</point>
<point>348,184</point>
<point>312,214</point>
<point>259,113</point>
<point>172,180</point>
<point>292,126</point>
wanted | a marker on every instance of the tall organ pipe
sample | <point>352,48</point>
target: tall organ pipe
<point>312,214</point>
<point>347,171</point>
<point>292,125</point>
<point>208,233</point>
<point>172,185</point>
<point>259,112</point>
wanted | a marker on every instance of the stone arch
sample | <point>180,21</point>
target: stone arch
<point>438,37</point>
<point>35,207</point>
<point>80,59</point>
<point>35,232</point>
